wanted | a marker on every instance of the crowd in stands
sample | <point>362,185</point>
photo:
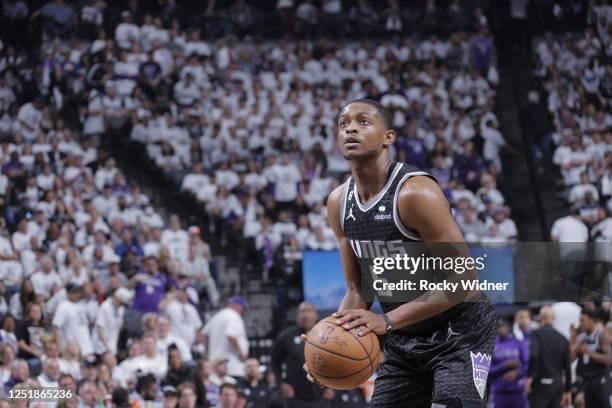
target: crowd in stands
<point>100,293</point>
<point>247,128</point>
<point>574,124</point>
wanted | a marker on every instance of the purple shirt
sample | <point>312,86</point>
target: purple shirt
<point>148,294</point>
<point>507,349</point>
<point>414,149</point>
<point>442,175</point>
<point>482,52</point>
<point>469,170</point>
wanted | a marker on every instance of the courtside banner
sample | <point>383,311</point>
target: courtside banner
<point>505,272</point>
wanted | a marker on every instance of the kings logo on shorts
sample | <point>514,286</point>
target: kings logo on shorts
<point>480,370</point>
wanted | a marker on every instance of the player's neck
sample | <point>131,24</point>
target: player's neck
<point>370,176</point>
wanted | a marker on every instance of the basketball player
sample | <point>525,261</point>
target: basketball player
<point>437,353</point>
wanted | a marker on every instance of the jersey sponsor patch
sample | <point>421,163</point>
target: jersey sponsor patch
<point>480,370</point>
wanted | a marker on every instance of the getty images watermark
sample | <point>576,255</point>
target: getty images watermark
<point>422,264</point>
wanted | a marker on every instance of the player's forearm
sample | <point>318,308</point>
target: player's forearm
<point>352,300</point>
<point>416,311</point>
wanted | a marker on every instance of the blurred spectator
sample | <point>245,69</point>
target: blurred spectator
<point>146,391</point>
<point>331,17</point>
<point>259,392</point>
<point>7,358</point>
<point>149,287</point>
<point>241,15</point>
<point>149,362</point>
<point>87,394</point>
<point>20,372</point>
<point>58,19</point>
<point>165,339</point>
<point>178,372</point>
<point>288,360</point>
<point>170,396</point>
<point>50,374</point>
<point>364,16</point>
<point>566,315</point>
<point>307,19</point>
<point>569,229</point>
<point>508,369</point>
<point>184,318</point>
<point>285,11</point>
<point>549,365</point>
<point>228,396</point>
<point>592,349</point>
<point>70,361</point>
<point>523,327</point>
<point>70,321</point>
<point>109,321</point>
<point>8,324</point>
<point>186,396</point>
<point>225,336</point>
<point>29,333</point>
<point>208,393</point>
<point>220,375</point>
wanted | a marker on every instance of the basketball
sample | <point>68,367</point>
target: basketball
<point>339,358</point>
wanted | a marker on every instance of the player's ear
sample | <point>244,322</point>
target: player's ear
<point>389,137</point>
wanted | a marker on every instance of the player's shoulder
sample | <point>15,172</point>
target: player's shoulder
<point>335,197</point>
<point>420,188</point>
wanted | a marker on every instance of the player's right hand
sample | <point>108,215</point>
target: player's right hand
<point>309,376</point>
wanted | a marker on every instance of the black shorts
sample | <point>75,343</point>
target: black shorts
<point>444,368</point>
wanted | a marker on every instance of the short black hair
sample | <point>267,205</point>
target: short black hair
<point>383,111</point>
<point>145,381</point>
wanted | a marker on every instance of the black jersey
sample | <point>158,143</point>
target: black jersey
<point>377,220</point>
<point>374,229</point>
<point>442,361</point>
<point>587,368</point>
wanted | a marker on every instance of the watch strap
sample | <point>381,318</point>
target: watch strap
<point>389,325</point>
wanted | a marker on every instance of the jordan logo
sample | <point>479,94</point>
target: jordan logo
<point>450,332</point>
<point>350,214</point>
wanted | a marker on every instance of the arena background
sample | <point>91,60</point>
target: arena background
<point>185,149</point>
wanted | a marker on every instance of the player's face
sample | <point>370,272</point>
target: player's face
<point>362,132</point>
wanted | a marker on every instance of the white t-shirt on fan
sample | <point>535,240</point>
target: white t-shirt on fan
<point>72,322</point>
<point>227,322</point>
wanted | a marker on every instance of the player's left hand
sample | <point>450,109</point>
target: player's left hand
<point>364,320</point>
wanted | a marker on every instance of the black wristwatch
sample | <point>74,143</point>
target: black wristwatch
<point>389,326</point>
